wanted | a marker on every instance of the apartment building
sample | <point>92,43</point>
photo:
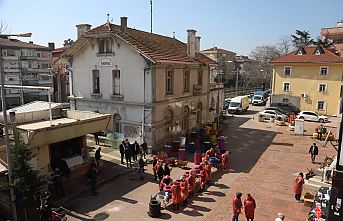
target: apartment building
<point>335,34</point>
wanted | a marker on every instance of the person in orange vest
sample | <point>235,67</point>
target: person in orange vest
<point>203,179</point>
<point>236,206</point>
<point>298,186</point>
<point>211,152</point>
<point>225,160</point>
<point>184,191</point>
<point>176,195</point>
<point>208,169</point>
<point>154,166</point>
<point>191,183</point>
<point>249,207</point>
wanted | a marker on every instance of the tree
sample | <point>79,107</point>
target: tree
<point>25,180</point>
<point>3,27</point>
<point>302,39</point>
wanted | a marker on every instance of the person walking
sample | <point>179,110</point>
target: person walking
<point>141,165</point>
<point>280,217</point>
<point>122,151</point>
<point>176,195</point>
<point>313,151</point>
<point>154,166</point>
<point>96,138</point>
<point>144,149</point>
<point>128,156</point>
<point>160,171</point>
<point>236,206</point>
<point>166,169</point>
<point>249,207</point>
<point>97,156</point>
<point>57,181</point>
<point>136,149</point>
<point>298,186</point>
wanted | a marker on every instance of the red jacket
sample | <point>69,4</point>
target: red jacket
<point>236,206</point>
<point>298,184</point>
<point>249,208</point>
<point>184,190</point>
<point>208,171</point>
<point>191,183</point>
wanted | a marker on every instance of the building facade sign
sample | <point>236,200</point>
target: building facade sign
<point>105,62</point>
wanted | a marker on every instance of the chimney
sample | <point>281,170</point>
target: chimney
<point>123,24</point>
<point>82,28</point>
<point>197,43</point>
<point>51,46</point>
<point>31,42</point>
<point>191,43</point>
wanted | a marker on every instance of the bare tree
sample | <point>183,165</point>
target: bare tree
<point>3,27</point>
<point>285,44</point>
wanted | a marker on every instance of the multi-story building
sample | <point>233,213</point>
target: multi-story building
<point>336,35</point>
<point>226,62</point>
<point>310,78</point>
<point>154,86</point>
<point>25,64</point>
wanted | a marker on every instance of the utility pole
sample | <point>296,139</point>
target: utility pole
<point>150,16</point>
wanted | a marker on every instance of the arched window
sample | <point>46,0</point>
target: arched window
<point>185,118</point>
<point>199,113</point>
<point>117,123</point>
<point>169,117</point>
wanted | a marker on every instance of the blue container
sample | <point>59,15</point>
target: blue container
<point>213,160</point>
<point>191,147</point>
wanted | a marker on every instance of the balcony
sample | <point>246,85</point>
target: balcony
<point>197,89</point>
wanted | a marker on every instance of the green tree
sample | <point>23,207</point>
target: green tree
<point>302,39</point>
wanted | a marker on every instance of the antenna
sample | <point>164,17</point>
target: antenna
<point>108,18</point>
<point>174,34</point>
<point>150,16</point>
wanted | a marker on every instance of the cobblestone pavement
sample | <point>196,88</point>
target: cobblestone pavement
<point>265,160</point>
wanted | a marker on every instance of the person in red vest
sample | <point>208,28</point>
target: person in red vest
<point>203,178</point>
<point>225,160</point>
<point>165,181</point>
<point>191,183</point>
<point>184,191</point>
<point>298,186</point>
<point>249,207</point>
<point>208,169</point>
<point>236,206</point>
<point>176,195</point>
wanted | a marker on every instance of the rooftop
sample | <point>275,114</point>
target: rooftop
<point>158,47</point>
<point>309,55</point>
<point>14,43</point>
<point>217,50</point>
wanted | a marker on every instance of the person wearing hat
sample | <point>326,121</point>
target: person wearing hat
<point>236,206</point>
<point>280,217</point>
<point>249,207</point>
<point>298,186</point>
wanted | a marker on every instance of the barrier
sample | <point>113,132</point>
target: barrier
<point>176,146</point>
<point>168,150</point>
<point>182,154</point>
<point>197,158</point>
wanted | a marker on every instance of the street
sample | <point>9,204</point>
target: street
<point>265,159</point>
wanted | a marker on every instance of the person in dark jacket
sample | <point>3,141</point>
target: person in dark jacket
<point>160,172</point>
<point>166,170</point>
<point>97,156</point>
<point>137,150</point>
<point>122,151</point>
<point>133,152</point>
<point>144,149</point>
<point>57,181</point>
<point>128,154</point>
<point>313,151</point>
<point>91,174</point>
<point>141,165</point>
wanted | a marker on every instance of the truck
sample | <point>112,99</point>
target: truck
<point>239,104</point>
<point>260,98</point>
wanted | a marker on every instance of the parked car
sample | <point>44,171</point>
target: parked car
<point>286,107</point>
<point>267,114</point>
<point>312,116</point>
<point>226,103</point>
<point>260,98</point>
<point>278,109</point>
<point>239,104</point>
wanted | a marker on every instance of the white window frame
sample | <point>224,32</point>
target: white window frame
<point>317,105</point>
<point>289,86</point>
<point>116,82</point>
<point>325,87</point>
<point>284,70</point>
<point>322,67</point>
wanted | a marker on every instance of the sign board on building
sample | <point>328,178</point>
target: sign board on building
<point>105,62</point>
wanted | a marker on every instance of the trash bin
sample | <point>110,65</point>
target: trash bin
<point>191,147</point>
<point>182,154</point>
<point>197,158</point>
<point>154,208</point>
<point>168,150</point>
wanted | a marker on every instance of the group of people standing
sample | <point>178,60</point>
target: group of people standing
<point>128,150</point>
<point>249,207</point>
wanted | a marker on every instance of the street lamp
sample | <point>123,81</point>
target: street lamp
<point>7,143</point>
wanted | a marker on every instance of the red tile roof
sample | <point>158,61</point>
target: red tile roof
<point>309,57</point>
<point>4,42</point>
<point>159,48</point>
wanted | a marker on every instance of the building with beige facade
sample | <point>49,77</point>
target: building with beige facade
<point>310,78</point>
<point>335,34</point>
<point>155,87</point>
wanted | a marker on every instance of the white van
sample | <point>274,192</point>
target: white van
<point>239,104</point>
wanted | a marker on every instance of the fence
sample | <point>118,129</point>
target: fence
<point>231,92</point>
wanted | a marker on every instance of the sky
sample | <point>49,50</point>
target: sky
<point>235,25</point>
